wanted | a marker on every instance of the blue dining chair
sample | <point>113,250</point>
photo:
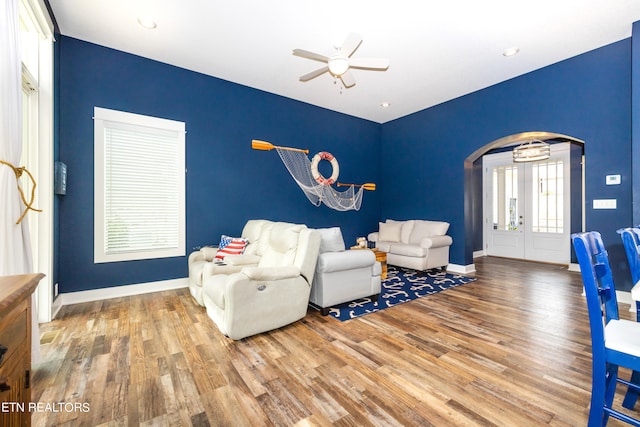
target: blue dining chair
<point>631,242</point>
<point>614,342</point>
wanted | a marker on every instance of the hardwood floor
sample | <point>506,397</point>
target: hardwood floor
<point>510,349</point>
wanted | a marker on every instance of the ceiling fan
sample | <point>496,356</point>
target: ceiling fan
<point>340,62</point>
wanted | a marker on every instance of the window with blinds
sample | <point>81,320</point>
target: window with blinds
<point>139,187</point>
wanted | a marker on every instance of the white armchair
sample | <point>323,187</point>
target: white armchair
<point>271,294</point>
<point>343,275</point>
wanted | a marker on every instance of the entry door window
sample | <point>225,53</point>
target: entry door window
<point>505,198</point>
<point>548,198</point>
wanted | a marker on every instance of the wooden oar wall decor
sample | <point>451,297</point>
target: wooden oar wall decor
<point>256,144</point>
<point>316,187</point>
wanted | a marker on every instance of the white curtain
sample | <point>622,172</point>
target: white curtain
<point>15,246</point>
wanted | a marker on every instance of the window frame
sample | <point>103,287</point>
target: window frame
<point>102,118</point>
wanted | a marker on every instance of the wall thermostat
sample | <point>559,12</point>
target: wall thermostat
<point>612,179</point>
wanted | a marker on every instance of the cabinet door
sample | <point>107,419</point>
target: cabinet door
<point>15,336</point>
<point>13,375</point>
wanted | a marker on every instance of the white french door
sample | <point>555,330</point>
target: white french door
<point>527,207</point>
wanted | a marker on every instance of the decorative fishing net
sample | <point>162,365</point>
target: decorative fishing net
<point>299,166</point>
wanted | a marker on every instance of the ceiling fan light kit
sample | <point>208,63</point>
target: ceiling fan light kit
<point>339,64</point>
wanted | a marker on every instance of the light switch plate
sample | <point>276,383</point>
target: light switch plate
<point>605,204</point>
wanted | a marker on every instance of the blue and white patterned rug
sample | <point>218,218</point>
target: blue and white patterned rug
<point>401,285</point>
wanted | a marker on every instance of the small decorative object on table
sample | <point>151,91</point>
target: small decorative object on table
<point>361,243</point>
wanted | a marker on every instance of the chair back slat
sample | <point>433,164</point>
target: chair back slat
<point>598,281</point>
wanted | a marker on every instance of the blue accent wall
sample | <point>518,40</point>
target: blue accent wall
<point>586,97</point>
<point>228,183</point>
<point>416,161</point>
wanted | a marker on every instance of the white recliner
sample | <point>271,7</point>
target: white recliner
<point>271,294</point>
<point>202,263</point>
<point>343,275</point>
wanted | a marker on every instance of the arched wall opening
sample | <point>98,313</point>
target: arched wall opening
<point>473,185</point>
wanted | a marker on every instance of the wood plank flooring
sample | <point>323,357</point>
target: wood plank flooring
<point>510,349</point>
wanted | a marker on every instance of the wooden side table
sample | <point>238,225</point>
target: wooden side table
<point>382,258</point>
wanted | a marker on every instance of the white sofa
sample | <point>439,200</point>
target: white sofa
<point>202,263</point>
<point>271,294</point>
<point>416,244</point>
<point>343,275</point>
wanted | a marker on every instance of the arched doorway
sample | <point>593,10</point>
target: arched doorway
<point>473,204</point>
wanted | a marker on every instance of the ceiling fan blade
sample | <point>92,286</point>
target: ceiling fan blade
<point>369,63</point>
<point>314,74</point>
<point>350,44</point>
<point>347,79</point>
<point>310,55</point>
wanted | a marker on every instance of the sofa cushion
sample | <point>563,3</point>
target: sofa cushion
<point>230,245</point>
<point>390,231</point>
<point>282,243</point>
<point>422,229</point>
<point>252,231</point>
<point>407,250</point>
<point>331,240</point>
<point>407,229</point>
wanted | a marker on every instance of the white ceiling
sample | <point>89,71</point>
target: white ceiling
<point>438,49</point>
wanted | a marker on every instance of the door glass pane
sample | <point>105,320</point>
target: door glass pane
<point>547,197</point>
<point>505,198</point>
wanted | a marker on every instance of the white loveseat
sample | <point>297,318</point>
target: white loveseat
<point>271,294</point>
<point>416,244</point>
<point>343,275</point>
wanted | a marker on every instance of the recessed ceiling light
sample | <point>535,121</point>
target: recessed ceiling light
<point>147,22</point>
<point>385,104</point>
<point>510,51</point>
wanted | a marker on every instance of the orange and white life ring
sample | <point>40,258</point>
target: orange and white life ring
<point>324,155</point>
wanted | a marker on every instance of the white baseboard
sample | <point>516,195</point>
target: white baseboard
<point>461,269</point>
<point>69,298</point>
<point>624,297</point>
<point>478,254</point>
<point>56,306</point>
<point>574,267</point>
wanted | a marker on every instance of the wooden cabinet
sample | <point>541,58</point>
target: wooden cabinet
<point>15,348</point>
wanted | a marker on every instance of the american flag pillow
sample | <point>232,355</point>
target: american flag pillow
<point>230,245</point>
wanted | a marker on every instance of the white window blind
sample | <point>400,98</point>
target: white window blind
<point>139,187</point>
